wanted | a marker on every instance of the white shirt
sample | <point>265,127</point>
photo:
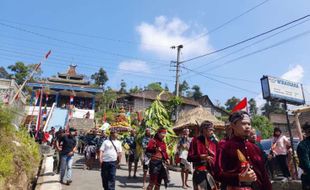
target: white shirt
<point>280,145</point>
<point>109,153</point>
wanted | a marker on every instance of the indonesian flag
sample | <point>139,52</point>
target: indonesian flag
<point>37,97</point>
<point>71,99</point>
<point>241,106</point>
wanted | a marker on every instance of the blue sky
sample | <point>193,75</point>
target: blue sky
<point>131,40</point>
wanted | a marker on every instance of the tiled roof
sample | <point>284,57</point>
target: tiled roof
<point>152,95</point>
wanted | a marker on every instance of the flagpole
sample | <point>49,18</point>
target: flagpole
<point>39,115</point>
<point>30,76</point>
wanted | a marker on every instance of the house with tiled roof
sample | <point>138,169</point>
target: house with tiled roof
<point>140,101</point>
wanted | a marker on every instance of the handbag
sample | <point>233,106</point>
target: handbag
<point>118,159</point>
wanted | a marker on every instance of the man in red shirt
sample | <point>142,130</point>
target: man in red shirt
<point>240,163</point>
<point>202,152</point>
<point>158,150</point>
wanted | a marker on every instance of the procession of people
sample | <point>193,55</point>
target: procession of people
<point>236,162</point>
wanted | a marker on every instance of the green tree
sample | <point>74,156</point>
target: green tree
<point>173,102</point>
<point>123,87</point>
<point>20,72</point>
<point>253,107</point>
<point>100,77</point>
<point>231,103</point>
<point>135,89</point>
<point>156,86</point>
<point>273,107</point>
<point>262,124</point>
<point>183,88</point>
<point>166,88</point>
<point>4,73</point>
<point>196,92</point>
<point>108,100</point>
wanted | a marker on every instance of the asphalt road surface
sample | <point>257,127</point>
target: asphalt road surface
<point>91,179</point>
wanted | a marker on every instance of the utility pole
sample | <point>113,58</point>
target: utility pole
<point>179,47</point>
<point>177,76</point>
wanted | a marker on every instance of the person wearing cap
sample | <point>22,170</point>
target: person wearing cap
<point>279,151</point>
<point>303,152</point>
<point>239,163</point>
<point>67,152</point>
<point>183,147</point>
<point>158,150</point>
<point>109,158</point>
<point>146,157</point>
<point>202,153</point>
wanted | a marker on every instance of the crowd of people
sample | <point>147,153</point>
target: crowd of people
<point>236,162</point>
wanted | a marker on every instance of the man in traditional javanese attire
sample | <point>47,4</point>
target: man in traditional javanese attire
<point>239,163</point>
<point>202,152</point>
<point>159,157</point>
<point>303,151</point>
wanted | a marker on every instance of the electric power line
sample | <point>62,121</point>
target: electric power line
<point>72,43</point>
<point>245,47</point>
<point>246,40</point>
<point>262,50</point>
<point>68,59</point>
<point>82,65</point>
<point>227,22</point>
<point>84,35</point>
<point>219,81</point>
<point>55,65</point>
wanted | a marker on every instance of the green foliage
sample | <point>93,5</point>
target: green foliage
<point>135,89</point>
<point>18,152</point>
<point>4,73</point>
<point>20,71</point>
<point>6,164</point>
<point>253,107</point>
<point>196,92</point>
<point>157,116</point>
<point>273,107</point>
<point>172,104</point>
<point>231,103</point>
<point>100,77</point>
<point>108,99</point>
<point>262,124</point>
<point>123,87</point>
<point>183,88</point>
<point>156,86</point>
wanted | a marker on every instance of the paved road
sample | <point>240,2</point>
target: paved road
<point>91,180</point>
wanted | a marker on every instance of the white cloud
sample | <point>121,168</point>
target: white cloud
<point>134,66</point>
<point>163,33</point>
<point>294,74</point>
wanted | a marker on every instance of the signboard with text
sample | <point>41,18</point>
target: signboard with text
<point>282,90</point>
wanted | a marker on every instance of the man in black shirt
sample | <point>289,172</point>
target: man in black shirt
<point>66,152</point>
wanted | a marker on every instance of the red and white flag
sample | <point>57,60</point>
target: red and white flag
<point>241,106</point>
<point>37,97</point>
<point>71,99</point>
<point>46,97</point>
